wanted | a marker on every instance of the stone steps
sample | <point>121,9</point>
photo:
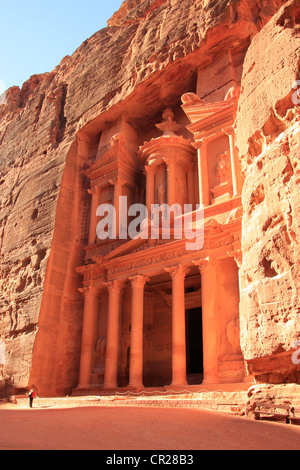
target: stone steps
<point>222,401</point>
<point>233,403</point>
<point>228,398</point>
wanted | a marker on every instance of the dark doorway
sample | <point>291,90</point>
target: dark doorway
<point>194,345</point>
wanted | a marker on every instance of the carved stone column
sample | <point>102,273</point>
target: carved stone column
<point>209,290</point>
<point>178,274</point>
<point>90,317</point>
<point>204,194</point>
<point>95,193</point>
<point>137,316</point>
<point>191,185</point>
<point>112,338</point>
<point>118,184</point>
<point>237,183</point>
<point>171,164</point>
<point>237,255</point>
<point>150,187</point>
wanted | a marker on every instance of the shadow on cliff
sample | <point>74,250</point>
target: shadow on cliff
<point>6,387</point>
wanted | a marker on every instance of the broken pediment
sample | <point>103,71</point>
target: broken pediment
<point>117,161</point>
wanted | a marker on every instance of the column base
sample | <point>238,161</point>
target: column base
<point>83,387</point>
<point>177,386</point>
<point>81,390</point>
<point>135,388</point>
<point>107,390</point>
<point>211,380</point>
<point>109,387</point>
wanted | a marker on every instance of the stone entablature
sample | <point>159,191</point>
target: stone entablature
<point>152,259</point>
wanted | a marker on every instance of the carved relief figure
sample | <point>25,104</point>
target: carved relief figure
<point>100,352</point>
<point>222,167</point>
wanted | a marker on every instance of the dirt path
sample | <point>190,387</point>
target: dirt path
<point>124,428</point>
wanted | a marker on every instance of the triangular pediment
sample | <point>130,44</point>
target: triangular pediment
<point>131,246</point>
<point>140,245</point>
<point>134,246</point>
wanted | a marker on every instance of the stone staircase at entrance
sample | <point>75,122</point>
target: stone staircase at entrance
<point>226,398</point>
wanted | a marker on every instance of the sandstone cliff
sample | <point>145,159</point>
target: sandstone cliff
<point>268,140</point>
<point>147,57</point>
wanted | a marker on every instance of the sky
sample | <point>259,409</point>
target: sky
<point>35,35</point>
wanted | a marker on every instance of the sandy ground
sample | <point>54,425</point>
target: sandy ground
<point>138,428</point>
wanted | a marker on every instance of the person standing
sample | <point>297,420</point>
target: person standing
<point>32,396</point>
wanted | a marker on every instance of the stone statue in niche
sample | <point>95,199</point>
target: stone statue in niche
<point>230,342</point>
<point>222,167</point>
<point>233,336</point>
<point>169,127</point>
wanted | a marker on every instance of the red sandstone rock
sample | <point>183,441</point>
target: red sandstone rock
<point>120,81</point>
<point>267,134</point>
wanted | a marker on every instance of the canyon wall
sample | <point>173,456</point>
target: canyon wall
<point>268,139</point>
<point>149,55</point>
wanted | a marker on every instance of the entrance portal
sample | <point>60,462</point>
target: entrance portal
<point>194,346</point>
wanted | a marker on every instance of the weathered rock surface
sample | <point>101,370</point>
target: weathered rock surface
<point>150,53</point>
<point>272,395</point>
<point>268,140</point>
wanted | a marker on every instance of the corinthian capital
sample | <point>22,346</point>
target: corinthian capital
<point>170,161</point>
<point>89,291</point>
<point>93,190</point>
<point>198,144</point>
<point>178,271</point>
<point>202,263</point>
<point>139,280</point>
<point>114,286</point>
<point>117,180</point>
<point>150,169</point>
<point>237,255</point>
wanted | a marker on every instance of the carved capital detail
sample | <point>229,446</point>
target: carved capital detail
<point>94,190</point>
<point>118,180</point>
<point>202,263</point>
<point>139,280</point>
<point>89,291</point>
<point>228,130</point>
<point>237,255</point>
<point>179,271</point>
<point>114,286</point>
<point>198,144</point>
<point>150,169</point>
<point>170,161</point>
